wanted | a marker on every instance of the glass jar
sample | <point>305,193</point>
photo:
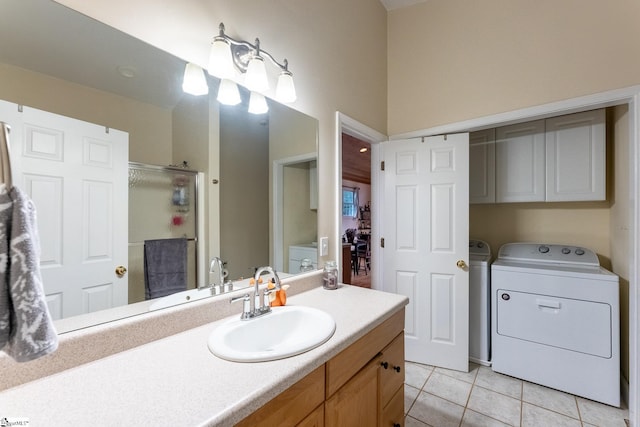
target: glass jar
<point>306,265</point>
<point>330,275</point>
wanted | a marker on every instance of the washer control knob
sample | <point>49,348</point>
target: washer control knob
<point>566,251</point>
<point>543,249</point>
<point>579,251</point>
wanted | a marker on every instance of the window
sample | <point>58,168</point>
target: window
<point>350,202</point>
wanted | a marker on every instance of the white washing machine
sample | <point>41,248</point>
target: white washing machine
<point>555,319</point>
<point>479,300</point>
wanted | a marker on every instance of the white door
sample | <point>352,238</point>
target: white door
<point>426,233</point>
<point>76,174</point>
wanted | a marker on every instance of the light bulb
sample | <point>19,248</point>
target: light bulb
<point>256,77</point>
<point>285,90</point>
<point>228,93</point>
<point>220,64</point>
<point>257,103</point>
<point>194,81</point>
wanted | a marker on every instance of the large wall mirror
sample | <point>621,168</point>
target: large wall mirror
<point>250,181</point>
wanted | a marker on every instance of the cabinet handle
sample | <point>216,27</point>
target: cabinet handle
<point>385,365</point>
<point>396,368</point>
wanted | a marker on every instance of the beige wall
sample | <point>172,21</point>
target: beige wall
<point>458,59</point>
<point>562,223</point>
<point>244,191</point>
<point>147,125</point>
<point>336,50</point>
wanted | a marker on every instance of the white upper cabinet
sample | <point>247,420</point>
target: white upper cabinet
<point>482,166</point>
<point>520,162</point>
<point>560,159</point>
<point>576,157</point>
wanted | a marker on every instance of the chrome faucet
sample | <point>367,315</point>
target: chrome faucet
<point>265,308</point>
<point>252,307</point>
<point>217,288</point>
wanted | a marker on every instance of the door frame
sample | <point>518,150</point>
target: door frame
<point>350,126</point>
<point>631,97</point>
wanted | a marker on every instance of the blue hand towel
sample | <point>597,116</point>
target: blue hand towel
<point>165,267</point>
<point>26,328</point>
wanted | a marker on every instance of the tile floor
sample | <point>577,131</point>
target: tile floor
<point>438,397</point>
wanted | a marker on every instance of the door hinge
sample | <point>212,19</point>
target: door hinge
<point>382,165</point>
<point>382,242</point>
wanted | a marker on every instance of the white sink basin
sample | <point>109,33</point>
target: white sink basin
<point>284,332</point>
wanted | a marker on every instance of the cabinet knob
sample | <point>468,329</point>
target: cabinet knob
<point>396,368</point>
<point>385,365</point>
<point>396,425</point>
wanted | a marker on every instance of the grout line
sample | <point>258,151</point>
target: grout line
<point>466,405</point>
<point>522,403</point>
<point>414,399</point>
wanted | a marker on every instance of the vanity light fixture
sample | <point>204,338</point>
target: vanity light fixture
<point>194,82</point>
<point>249,59</point>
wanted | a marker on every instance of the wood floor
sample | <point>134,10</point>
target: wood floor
<point>363,280</point>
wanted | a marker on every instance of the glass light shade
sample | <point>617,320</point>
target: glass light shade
<point>228,93</point>
<point>285,90</point>
<point>194,81</point>
<point>220,64</point>
<point>257,103</point>
<point>256,77</point>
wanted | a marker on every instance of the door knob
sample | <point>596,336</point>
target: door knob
<point>121,270</point>
<point>461,264</point>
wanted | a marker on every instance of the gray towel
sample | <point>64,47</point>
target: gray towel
<point>26,328</point>
<point>165,267</point>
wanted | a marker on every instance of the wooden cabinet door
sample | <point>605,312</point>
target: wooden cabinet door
<point>391,369</point>
<point>314,419</point>
<point>393,413</point>
<point>356,403</point>
<point>520,162</point>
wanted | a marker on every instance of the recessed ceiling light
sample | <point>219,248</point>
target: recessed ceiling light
<point>363,150</point>
<point>126,71</point>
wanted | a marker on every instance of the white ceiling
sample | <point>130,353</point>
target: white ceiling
<point>397,4</point>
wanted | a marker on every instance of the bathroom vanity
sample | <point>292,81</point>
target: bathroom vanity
<point>357,375</point>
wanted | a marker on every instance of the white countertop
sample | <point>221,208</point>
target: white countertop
<point>177,381</point>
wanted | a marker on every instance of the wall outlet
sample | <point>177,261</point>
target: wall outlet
<point>324,246</point>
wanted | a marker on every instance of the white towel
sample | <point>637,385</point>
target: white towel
<point>26,328</point>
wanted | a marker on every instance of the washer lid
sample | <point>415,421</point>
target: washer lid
<point>479,247</point>
<point>540,253</point>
